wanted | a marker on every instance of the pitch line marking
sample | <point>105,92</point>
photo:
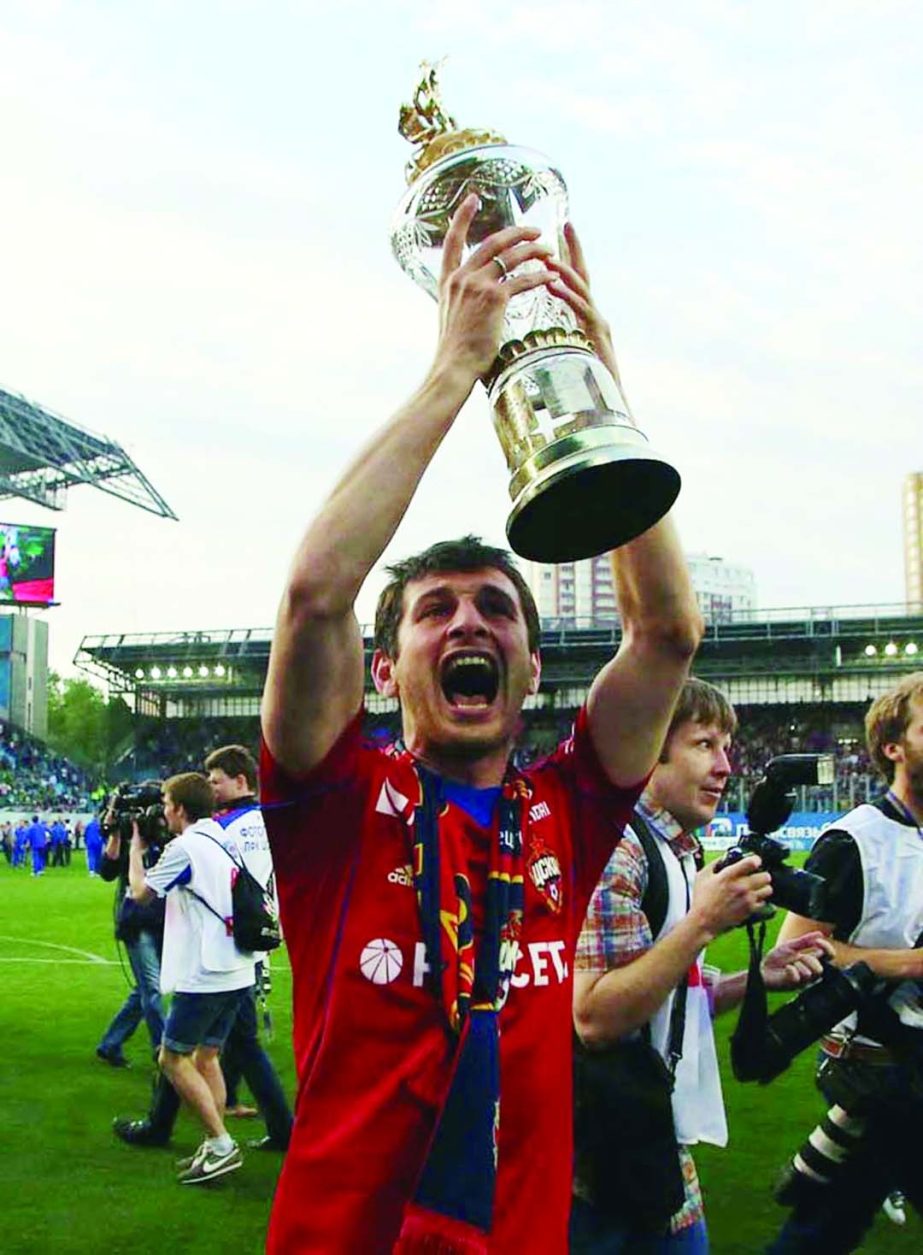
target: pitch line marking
<point>87,955</point>
<point>62,962</point>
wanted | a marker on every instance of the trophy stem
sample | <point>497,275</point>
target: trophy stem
<point>583,478</point>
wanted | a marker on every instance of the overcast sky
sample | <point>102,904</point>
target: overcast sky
<point>197,200</point>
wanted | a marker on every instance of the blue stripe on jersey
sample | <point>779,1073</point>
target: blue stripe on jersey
<point>183,878</point>
<point>225,818</point>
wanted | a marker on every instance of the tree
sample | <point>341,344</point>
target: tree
<point>84,725</point>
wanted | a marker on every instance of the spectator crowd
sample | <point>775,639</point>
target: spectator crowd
<point>35,778</point>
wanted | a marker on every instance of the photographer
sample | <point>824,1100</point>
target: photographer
<point>232,773</point>
<point>211,977</point>
<point>872,861</point>
<point>638,967</point>
<point>138,928</point>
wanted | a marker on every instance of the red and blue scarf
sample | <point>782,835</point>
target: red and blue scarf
<point>452,1209</point>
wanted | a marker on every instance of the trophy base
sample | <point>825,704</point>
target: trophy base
<point>589,501</point>
<point>583,478</point>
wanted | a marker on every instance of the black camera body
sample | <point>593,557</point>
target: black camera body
<point>770,805</point>
<point>764,1045</point>
<point>141,804</point>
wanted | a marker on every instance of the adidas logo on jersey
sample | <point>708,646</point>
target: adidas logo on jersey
<point>401,876</point>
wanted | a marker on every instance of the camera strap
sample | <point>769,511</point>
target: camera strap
<point>756,932</point>
<point>654,904</point>
<point>749,1036</point>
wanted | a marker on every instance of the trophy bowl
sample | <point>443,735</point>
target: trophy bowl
<point>583,478</point>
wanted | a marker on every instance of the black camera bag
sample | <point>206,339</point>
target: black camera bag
<point>625,1146</point>
<point>625,1139</point>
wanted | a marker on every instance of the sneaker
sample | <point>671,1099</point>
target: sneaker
<point>139,1133</point>
<point>267,1143</point>
<point>893,1207</point>
<point>187,1161</point>
<point>114,1058</point>
<point>208,1164</point>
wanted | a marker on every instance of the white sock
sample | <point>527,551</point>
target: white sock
<point>221,1145</point>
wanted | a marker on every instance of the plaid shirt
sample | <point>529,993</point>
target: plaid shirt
<point>616,932</point>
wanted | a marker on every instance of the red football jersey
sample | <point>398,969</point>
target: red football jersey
<point>372,1046</point>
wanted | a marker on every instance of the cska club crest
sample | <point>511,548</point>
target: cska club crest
<point>545,873</point>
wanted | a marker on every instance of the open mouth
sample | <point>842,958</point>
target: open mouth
<point>470,680</point>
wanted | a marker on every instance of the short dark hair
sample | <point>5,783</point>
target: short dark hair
<point>702,702</point>
<point>233,760</point>
<point>468,553</point>
<point>191,790</point>
<point>887,718</point>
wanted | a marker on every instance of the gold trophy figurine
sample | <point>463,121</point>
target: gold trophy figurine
<point>583,478</point>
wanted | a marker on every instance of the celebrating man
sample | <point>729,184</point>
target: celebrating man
<point>431,897</point>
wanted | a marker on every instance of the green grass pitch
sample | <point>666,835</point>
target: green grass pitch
<point>69,1186</point>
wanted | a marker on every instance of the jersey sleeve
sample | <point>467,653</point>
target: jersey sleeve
<point>835,857</point>
<point>601,808</point>
<point>313,821</point>
<point>616,930</point>
<point>173,868</point>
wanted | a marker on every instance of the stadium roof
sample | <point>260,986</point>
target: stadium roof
<point>42,455</point>
<point>862,639</point>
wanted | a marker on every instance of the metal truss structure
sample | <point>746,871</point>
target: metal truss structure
<point>42,455</point>
<point>831,654</point>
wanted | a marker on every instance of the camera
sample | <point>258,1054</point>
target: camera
<point>764,1045</point>
<point>770,805</point>
<point>141,804</point>
<point>854,1091</point>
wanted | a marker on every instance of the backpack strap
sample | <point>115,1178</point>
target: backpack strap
<point>654,904</point>
<point>215,841</point>
<point>656,897</point>
<point>208,906</point>
<point>198,897</point>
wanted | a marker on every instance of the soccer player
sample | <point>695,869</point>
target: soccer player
<point>431,897</point>
<point>38,840</point>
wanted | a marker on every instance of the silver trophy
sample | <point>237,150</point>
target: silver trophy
<point>583,477</point>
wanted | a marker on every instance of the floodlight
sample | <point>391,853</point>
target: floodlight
<point>139,674</point>
<point>203,670</point>
<point>870,651</point>
<point>171,673</point>
<point>219,670</point>
<point>890,649</point>
<point>155,673</point>
<point>911,648</point>
<point>187,673</point>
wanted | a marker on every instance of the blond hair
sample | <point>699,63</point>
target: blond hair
<point>887,718</point>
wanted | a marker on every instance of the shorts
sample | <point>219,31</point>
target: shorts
<point>203,1019</point>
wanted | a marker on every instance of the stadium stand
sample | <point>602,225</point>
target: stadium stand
<point>801,681</point>
<point>32,777</point>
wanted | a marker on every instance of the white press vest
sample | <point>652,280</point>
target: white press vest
<point>698,1104</point>
<point>891,856</point>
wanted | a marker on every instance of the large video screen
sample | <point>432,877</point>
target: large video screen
<point>26,564</point>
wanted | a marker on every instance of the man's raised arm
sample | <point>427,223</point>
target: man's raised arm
<point>314,682</point>
<point>632,698</point>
